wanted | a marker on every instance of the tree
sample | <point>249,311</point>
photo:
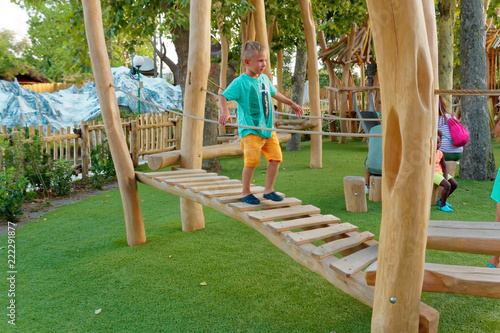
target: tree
<point>478,162</point>
<point>446,27</point>
<point>11,64</point>
<point>298,83</point>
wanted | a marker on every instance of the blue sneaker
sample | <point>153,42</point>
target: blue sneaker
<point>445,209</point>
<point>447,204</point>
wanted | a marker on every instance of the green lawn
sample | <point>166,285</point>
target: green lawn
<point>75,261</point>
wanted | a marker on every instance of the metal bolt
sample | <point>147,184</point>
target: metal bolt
<point>393,300</point>
<point>356,193</point>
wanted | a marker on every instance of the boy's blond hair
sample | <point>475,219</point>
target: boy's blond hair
<point>251,49</point>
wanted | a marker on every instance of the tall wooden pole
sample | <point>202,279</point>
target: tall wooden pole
<point>312,72</point>
<point>407,82</point>
<point>134,224</point>
<point>194,104</point>
<point>261,31</point>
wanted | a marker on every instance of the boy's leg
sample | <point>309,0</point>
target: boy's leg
<point>246,179</point>
<point>495,260</point>
<point>453,184</point>
<point>445,192</point>
<point>272,172</point>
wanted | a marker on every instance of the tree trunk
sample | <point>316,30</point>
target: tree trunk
<point>478,162</point>
<point>210,130</point>
<point>182,49</point>
<point>163,57</point>
<point>298,84</point>
<point>446,25</point>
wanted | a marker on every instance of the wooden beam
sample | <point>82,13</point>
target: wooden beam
<point>194,104</point>
<point>261,32</point>
<point>136,234</point>
<point>451,279</point>
<point>312,72</point>
<point>407,82</point>
<point>460,236</point>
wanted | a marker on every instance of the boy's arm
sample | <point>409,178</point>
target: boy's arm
<point>225,116</point>
<point>445,169</point>
<point>295,107</point>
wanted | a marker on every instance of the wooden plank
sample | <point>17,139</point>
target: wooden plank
<point>353,263</point>
<point>265,204</point>
<point>303,222</point>
<point>463,236</point>
<point>303,237</point>
<point>213,187</point>
<point>230,192</point>
<point>283,213</point>
<point>173,173</point>
<point>464,225</point>
<point>218,182</point>
<point>451,279</point>
<point>201,178</point>
<point>237,197</point>
<point>340,245</point>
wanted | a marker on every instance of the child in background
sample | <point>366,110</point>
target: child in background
<point>448,183</point>
<point>253,91</point>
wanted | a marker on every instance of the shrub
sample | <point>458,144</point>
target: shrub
<point>37,165</point>
<point>12,193</point>
<point>102,166</point>
<point>60,175</point>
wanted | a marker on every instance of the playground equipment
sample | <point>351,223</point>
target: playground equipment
<point>405,37</point>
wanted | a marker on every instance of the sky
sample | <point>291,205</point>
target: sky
<point>13,18</point>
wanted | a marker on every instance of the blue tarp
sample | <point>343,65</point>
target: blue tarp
<point>70,106</point>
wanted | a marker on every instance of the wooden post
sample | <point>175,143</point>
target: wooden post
<point>332,81</point>
<point>223,61</point>
<point>261,32</point>
<point>407,82</point>
<point>346,73</point>
<point>76,148</point>
<point>354,193</point>
<point>375,189</point>
<point>312,72</point>
<point>136,234</point>
<point>194,104</point>
<point>134,143</point>
<point>85,149</point>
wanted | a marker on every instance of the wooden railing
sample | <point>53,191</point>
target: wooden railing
<point>148,134</point>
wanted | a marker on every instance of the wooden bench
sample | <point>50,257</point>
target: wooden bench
<point>451,279</point>
<point>463,236</point>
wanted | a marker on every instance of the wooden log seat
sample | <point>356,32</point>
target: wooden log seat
<point>354,192</point>
<point>451,279</point>
<point>375,189</point>
<point>464,236</point>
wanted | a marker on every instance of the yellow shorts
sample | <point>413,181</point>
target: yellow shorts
<point>253,145</point>
<point>438,177</point>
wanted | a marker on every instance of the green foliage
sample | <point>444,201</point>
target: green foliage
<point>37,165</point>
<point>12,194</point>
<point>10,50</point>
<point>102,166</point>
<point>60,175</point>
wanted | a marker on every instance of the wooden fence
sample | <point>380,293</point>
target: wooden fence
<point>48,87</point>
<point>148,134</point>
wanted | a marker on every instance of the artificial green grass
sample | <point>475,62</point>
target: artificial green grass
<point>75,260</point>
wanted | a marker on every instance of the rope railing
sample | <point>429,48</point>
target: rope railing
<point>465,92</point>
<point>278,130</point>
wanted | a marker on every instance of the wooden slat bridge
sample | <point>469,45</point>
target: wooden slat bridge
<point>337,251</point>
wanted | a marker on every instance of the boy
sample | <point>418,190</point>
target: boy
<point>449,184</point>
<point>253,91</point>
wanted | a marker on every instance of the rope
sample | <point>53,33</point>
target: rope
<point>278,130</point>
<point>462,92</point>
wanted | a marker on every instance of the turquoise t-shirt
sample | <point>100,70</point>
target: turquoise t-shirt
<point>495,192</point>
<point>253,96</point>
<point>373,162</point>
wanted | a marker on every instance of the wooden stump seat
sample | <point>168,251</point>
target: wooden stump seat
<point>354,192</point>
<point>375,194</point>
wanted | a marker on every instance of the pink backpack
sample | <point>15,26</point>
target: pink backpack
<point>459,134</point>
